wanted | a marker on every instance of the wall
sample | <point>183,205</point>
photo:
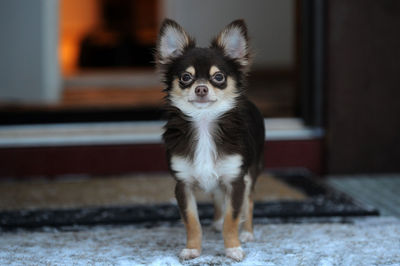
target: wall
<point>28,51</point>
<point>363,97</point>
<point>271,24</point>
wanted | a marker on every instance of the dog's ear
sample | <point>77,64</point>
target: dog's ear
<point>233,40</point>
<point>172,41</point>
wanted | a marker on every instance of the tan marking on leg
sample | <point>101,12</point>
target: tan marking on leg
<point>230,232</point>
<point>193,227</point>
<point>247,212</point>
<point>193,231</point>
<point>248,205</point>
<point>234,200</point>
<point>248,222</point>
<point>247,230</point>
<point>192,224</point>
<point>231,229</point>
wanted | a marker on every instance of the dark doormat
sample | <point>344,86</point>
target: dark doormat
<point>321,201</point>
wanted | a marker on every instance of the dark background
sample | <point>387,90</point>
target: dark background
<point>363,86</point>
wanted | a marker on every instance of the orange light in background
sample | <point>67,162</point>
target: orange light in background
<point>68,55</point>
<point>77,18</point>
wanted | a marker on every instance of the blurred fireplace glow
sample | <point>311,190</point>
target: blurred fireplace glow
<point>79,18</point>
<point>69,52</point>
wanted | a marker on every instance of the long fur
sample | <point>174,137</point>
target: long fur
<point>214,141</point>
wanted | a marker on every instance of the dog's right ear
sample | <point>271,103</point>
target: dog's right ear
<point>172,42</point>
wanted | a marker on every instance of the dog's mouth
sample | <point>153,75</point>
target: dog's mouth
<point>202,100</point>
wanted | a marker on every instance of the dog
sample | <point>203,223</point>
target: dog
<point>214,136</point>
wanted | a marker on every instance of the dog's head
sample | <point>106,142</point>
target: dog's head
<point>202,80</point>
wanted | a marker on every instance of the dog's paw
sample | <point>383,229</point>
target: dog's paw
<point>217,225</point>
<point>246,236</point>
<point>188,254</point>
<point>235,253</point>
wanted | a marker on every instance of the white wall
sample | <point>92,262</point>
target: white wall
<point>270,22</point>
<point>29,69</point>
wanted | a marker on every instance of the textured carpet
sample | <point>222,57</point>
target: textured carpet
<point>367,241</point>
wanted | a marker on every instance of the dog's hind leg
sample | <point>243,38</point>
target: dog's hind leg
<point>247,212</point>
<point>218,200</point>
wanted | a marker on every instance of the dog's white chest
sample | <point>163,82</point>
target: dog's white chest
<point>209,174</point>
<point>206,169</point>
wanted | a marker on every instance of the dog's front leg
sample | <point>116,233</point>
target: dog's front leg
<point>233,203</point>
<point>188,209</point>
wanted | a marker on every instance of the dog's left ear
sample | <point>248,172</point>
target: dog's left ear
<point>233,40</point>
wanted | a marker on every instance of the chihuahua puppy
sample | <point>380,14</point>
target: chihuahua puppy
<point>214,136</point>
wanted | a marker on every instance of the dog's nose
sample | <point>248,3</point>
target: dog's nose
<point>201,90</point>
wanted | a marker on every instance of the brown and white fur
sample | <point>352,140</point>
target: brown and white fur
<point>214,136</point>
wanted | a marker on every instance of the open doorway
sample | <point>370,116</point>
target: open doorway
<point>112,95</point>
<point>106,58</point>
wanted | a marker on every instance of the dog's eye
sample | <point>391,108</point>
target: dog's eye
<point>218,77</point>
<point>186,78</point>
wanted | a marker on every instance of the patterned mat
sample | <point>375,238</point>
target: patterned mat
<point>149,198</point>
